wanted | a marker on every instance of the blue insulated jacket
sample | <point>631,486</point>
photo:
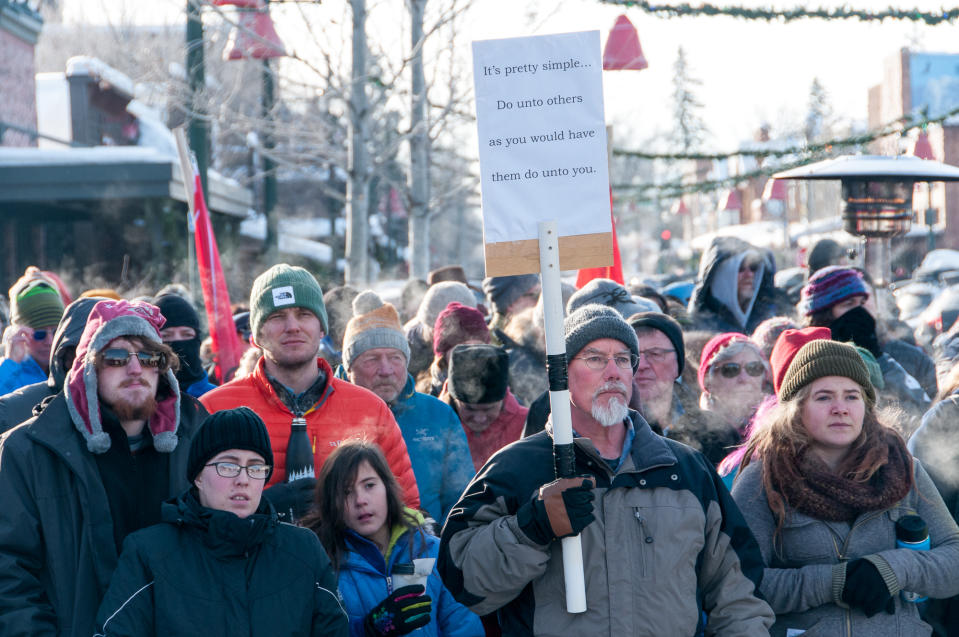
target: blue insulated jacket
<point>438,449</point>
<point>364,581</point>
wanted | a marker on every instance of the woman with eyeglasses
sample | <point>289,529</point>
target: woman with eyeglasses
<point>735,378</point>
<point>383,554</point>
<point>221,562</point>
<point>835,501</point>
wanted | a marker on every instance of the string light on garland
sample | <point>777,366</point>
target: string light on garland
<point>898,126</point>
<point>931,18</point>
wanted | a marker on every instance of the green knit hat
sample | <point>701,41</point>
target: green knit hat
<point>820,358</point>
<point>284,286</point>
<point>36,305</point>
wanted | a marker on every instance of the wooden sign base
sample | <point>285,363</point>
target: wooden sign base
<point>575,252</point>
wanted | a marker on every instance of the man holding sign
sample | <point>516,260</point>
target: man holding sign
<point>663,543</point>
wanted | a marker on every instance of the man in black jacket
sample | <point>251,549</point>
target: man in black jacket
<point>92,467</point>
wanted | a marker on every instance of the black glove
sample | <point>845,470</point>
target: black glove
<point>407,609</point>
<point>560,509</point>
<point>865,589</point>
<point>291,499</point>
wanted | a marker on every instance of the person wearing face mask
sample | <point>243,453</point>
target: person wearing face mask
<point>182,333</point>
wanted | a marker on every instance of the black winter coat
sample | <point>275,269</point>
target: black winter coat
<point>57,550</point>
<point>207,572</point>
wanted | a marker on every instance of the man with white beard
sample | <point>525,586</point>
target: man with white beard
<point>665,548</point>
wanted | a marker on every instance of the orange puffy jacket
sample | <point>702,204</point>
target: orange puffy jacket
<point>345,411</point>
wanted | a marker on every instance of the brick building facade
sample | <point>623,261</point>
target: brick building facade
<point>19,30</point>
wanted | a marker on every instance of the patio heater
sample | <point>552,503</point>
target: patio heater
<point>877,198</point>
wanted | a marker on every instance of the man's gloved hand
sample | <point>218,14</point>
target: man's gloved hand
<point>865,589</point>
<point>562,508</point>
<point>407,609</point>
<point>291,499</point>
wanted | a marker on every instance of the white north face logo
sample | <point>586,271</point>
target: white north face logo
<point>283,296</point>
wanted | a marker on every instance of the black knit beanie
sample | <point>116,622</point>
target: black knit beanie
<point>238,428</point>
<point>821,358</point>
<point>668,326</point>
<point>178,312</point>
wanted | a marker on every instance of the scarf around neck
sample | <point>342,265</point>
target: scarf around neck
<point>826,496</point>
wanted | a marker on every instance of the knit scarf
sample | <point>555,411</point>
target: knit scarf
<point>826,496</point>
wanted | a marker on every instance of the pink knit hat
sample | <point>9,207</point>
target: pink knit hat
<point>712,348</point>
<point>788,345</point>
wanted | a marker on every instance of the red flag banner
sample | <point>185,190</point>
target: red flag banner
<point>615,271</point>
<point>216,297</point>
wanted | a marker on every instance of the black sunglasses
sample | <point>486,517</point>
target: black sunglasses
<point>118,357</point>
<point>39,335</point>
<point>731,370</point>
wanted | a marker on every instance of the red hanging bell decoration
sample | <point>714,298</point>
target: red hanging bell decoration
<point>731,200</point>
<point>254,37</point>
<point>775,190</point>
<point>622,51</point>
<point>923,147</point>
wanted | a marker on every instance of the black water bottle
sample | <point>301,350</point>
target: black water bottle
<point>299,452</point>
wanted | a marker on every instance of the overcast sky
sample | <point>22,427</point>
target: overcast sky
<point>751,71</point>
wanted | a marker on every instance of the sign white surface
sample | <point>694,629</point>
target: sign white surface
<point>542,135</point>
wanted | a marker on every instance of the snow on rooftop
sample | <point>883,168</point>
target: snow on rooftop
<point>101,71</point>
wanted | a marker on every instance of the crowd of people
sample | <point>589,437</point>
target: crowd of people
<point>745,462</point>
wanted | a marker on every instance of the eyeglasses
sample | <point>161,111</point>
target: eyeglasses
<point>596,362</point>
<point>731,370</point>
<point>655,354</point>
<point>752,267</point>
<point>39,335</point>
<point>232,470</point>
<point>119,357</point>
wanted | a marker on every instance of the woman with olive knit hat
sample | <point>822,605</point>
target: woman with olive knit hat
<point>221,562</point>
<point>822,485</point>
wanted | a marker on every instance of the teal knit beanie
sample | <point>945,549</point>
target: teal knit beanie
<point>284,286</point>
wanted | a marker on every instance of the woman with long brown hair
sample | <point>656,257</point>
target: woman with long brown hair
<point>381,551</point>
<point>823,484</point>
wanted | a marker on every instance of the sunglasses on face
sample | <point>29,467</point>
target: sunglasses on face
<point>752,267</point>
<point>731,370</point>
<point>118,357</point>
<point>39,335</point>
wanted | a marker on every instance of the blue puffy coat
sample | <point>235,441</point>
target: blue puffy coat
<point>364,581</point>
<point>438,449</point>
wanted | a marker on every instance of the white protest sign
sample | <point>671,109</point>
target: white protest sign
<point>542,143</point>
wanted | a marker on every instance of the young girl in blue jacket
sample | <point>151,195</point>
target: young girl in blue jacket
<point>377,547</point>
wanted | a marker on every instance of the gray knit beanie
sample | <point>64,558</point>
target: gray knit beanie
<point>593,322</point>
<point>284,286</point>
<point>438,297</point>
<point>611,294</point>
<point>503,291</point>
<point>374,324</point>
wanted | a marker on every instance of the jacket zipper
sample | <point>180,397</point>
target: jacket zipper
<point>843,558</point>
<point>646,538</point>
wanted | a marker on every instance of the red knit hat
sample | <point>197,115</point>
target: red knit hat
<point>715,344</point>
<point>788,345</point>
<point>456,324</point>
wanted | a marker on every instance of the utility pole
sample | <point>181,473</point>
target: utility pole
<point>419,219</point>
<point>197,127</point>
<point>357,224</point>
<point>271,245</point>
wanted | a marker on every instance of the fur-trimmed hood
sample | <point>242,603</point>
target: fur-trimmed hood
<point>109,320</point>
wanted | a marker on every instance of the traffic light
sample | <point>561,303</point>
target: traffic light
<point>664,238</point>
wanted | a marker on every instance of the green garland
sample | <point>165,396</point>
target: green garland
<point>898,126</point>
<point>789,15</point>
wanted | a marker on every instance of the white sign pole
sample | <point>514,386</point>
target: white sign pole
<point>563,455</point>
